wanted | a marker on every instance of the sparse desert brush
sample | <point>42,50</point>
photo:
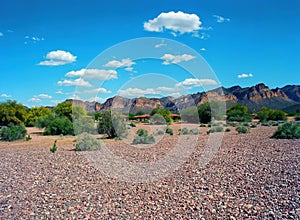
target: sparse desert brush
<point>54,147</point>
<point>87,142</point>
<point>169,131</point>
<point>215,129</point>
<point>143,137</point>
<point>13,132</point>
<point>288,130</point>
<point>243,129</point>
<point>183,131</point>
<point>194,131</point>
<point>227,130</point>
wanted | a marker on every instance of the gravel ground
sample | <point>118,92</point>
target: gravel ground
<point>250,177</point>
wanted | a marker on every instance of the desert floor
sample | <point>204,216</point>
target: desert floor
<point>247,176</point>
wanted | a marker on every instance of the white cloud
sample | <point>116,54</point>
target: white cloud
<point>43,96</point>
<point>5,96</point>
<point>160,45</point>
<point>127,62</point>
<point>193,82</point>
<point>135,92</point>
<point>176,22</point>
<point>221,19</point>
<point>169,58</point>
<point>96,91</point>
<point>76,82</point>
<point>94,74</point>
<point>34,99</point>
<point>245,75</point>
<point>97,99</point>
<point>203,49</point>
<point>59,92</point>
<point>1,34</point>
<point>57,58</point>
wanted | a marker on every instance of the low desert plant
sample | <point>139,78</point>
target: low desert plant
<point>287,131</point>
<point>132,125</point>
<point>202,125</point>
<point>194,131</point>
<point>183,131</point>
<point>243,129</point>
<point>227,130</point>
<point>215,129</point>
<point>169,131</point>
<point>87,142</point>
<point>28,138</point>
<point>160,132</point>
<point>13,132</point>
<point>143,137</point>
<point>54,147</point>
<point>297,118</point>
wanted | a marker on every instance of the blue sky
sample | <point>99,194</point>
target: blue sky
<point>54,50</point>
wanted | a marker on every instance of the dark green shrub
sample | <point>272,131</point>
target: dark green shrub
<point>60,125</point>
<point>28,138</point>
<point>142,137</point>
<point>215,129</point>
<point>243,129</point>
<point>54,147</point>
<point>266,114</point>
<point>132,125</point>
<point>204,112</point>
<point>297,118</point>
<point>202,125</point>
<point>183,131</point>
<point>227,130</point>
<point>194,131</point>
<point>87,142</point>
<point>169,131</point>
<point>253,125</point>
<point>13,132</point>
<point>287,131</point>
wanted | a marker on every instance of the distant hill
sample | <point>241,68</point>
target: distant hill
<point>293,108</point>
<point>253,97</point>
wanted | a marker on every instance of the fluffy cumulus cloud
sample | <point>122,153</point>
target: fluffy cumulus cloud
<point>245,75</point>
<point>176,22</point>
<point>169,58</point>
<point>44,96</point>
<point>127,63</point>
<point>4,95</point>
<point>35,99</point>
<point>57,58</point>
<point>94,74</point>
<point>221,19</point>
<point>96,91</point>
<point>76,82</point>
<point>1,34</point>
<point>136,92</point>
<point>193,82</point>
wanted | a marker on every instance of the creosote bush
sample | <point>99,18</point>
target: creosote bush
<point>215,129</point>
<point>13,132</point>
<point>183,131</point>
<point>243,129</point>
<point>169,131</point>
<point>143,137</point>
<point>87,142</point>
<point>287,131</point>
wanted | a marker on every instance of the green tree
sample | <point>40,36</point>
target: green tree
<point>112,124</point>
<point>34,114</point>
<point>163,112</point>
<point>12,112</point>
<point>266,114</point>
<point>204,112</point>
<point>63,109</point>
<point>78,112</point>
<point>59,125</point>
<point>238,113</point>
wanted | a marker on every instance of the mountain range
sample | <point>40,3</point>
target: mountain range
<point>253,97</point>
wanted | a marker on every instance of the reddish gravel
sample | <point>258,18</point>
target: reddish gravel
<point>250,177</point>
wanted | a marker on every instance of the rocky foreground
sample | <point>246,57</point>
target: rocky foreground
<point>250,177</point>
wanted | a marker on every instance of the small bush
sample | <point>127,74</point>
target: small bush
<point>227,130</point>
<point>143,137</point>
<point>297,118</point>
<point>253,125</point>
<point>215,129</point>
<point>87,142</point>
<point>183,131</point>
<point>132,125</point>
<point>287,131</point>
<point>13,132</point>
<point>202,125</point>
<point>81,125</point>
<point>245,124</point>
<point>54,147</point>
<point>160,132</point>
<point>169,131</point>
<point>59,125</point>
<point>28,138</point>
<point>194,131</point>
<point>243,129</point>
